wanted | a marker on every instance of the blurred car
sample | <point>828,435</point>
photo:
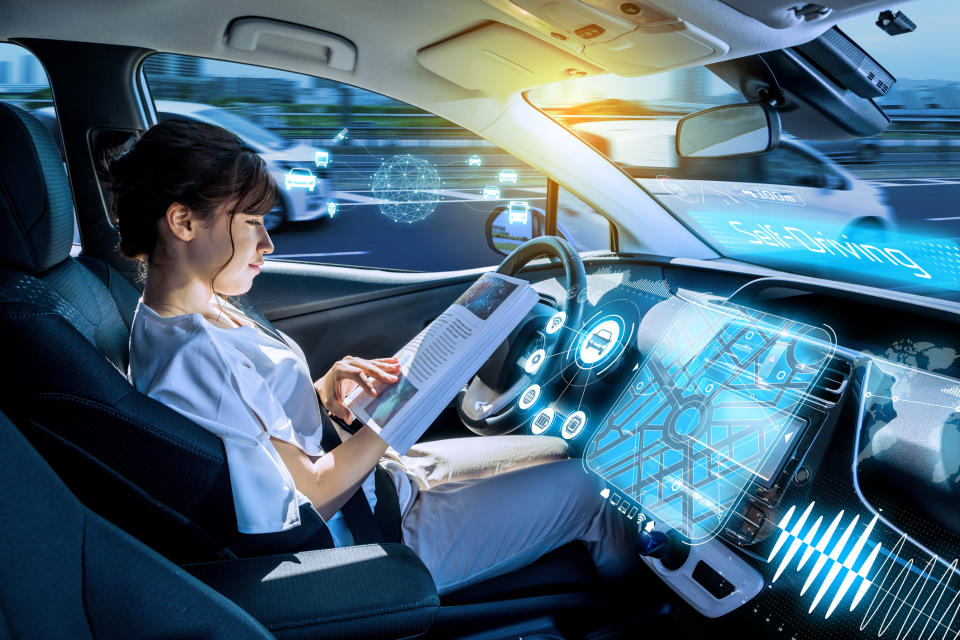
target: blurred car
<point>508,175</point>
<point>802,175</point>
<point>300,177</point>
<point>280,155</point>
<point>474,161</point>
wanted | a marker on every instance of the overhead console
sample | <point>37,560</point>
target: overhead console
<point>628,38</point>
<point>567,39</point>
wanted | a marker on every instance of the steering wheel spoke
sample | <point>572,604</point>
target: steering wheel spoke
<point>487,405</point>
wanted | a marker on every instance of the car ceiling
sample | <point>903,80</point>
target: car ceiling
<point>387,35</point>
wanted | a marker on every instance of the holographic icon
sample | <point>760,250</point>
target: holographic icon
<point>331,209</point>
<point>599,342</point>
<point>542,421</point>
<point>474,161</point>
<point>508,175</point>
<point>519,212</point>
<point>605,493</point>
<point>537,358</point>
<point>298,177</point>
<point>556,322</point>
<point>341,136</point>
<point>322,158</point>
<point>408,188</point>
<point>529,396</point>
<point>573,425</point>
<point>490,193</point>
<point>678,189</point>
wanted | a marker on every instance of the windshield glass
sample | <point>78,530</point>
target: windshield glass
<point>245,129</point>
<point>878,210</point>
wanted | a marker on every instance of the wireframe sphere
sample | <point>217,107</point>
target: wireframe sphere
<point>407,187</point>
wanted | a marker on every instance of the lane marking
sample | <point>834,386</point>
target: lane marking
<point>321,255</point>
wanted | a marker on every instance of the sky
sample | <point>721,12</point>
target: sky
<point>923,54</point>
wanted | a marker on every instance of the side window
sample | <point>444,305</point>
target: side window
<point>24,84</point>
<point>364,180</point>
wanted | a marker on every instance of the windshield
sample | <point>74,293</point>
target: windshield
<point>245,129</point>
<point>878,210</point>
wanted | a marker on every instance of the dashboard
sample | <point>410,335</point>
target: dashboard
<point>798,442</point>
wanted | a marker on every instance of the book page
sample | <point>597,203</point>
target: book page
<point>437,354</point>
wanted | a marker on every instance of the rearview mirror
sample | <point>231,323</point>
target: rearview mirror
<point>730,130</point>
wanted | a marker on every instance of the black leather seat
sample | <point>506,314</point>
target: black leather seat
<point>67,573</point>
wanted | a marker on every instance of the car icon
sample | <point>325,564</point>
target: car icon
<point>474,161</point>
<point>519,212</point>
<point>322,158</point>
<point>298,177</point>
<point>508,175</point>
<point>599,341</point>
<point>490,193</point>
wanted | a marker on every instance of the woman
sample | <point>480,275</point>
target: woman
<point>188,201</point>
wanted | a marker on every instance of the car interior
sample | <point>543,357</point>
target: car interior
<point>118,514</point>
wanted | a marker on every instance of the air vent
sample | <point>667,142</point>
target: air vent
<point>833,381</point>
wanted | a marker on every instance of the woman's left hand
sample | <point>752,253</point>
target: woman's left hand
<point>346,374</point>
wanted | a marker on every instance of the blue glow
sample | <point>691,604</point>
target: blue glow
<point>832,560</point>
<point>408,188</point>
<point>900,257</point>
<point>711,408</point>
<point>300,178</point>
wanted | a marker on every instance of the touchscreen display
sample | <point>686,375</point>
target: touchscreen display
<point>711,408</point>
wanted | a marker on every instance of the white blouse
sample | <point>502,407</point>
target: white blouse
<point>244,385</point>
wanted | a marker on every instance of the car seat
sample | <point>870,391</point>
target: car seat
<point>131,459</point>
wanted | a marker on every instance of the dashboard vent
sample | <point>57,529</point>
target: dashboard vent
<point>833,381</point>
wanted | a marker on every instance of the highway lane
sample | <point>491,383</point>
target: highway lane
<point>453,237</point>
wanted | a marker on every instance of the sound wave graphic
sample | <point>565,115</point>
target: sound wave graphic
<point>901,592</point>
<point>812,543</point>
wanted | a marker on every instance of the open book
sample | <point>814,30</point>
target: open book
<point>442,358</point>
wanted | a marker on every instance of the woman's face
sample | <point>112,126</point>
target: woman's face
<point>250,243</point>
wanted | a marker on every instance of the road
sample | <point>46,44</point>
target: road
<point>453,237</point>
<point>927,206</point>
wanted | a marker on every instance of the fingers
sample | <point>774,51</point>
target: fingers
<point>382,369</point>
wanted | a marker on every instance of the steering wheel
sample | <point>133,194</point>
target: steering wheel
<point>486,405</point>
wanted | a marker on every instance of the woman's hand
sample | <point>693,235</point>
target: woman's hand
<point>346,374</point>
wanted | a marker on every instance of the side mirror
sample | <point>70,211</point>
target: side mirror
<point>730,130</point>
<point>512,224</point>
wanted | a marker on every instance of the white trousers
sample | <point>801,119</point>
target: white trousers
<point>488,506</point>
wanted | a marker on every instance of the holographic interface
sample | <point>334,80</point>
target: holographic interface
<point>716,397</point>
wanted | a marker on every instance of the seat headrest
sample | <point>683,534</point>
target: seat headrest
<point>36,206</point>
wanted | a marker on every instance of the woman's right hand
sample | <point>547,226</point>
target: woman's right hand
<point>346,374</point>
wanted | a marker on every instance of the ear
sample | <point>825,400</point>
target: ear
<point>180,221</point>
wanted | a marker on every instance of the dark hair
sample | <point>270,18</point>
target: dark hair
<point>199,165</point>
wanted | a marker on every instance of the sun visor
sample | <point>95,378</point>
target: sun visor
<point>495,57</point>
